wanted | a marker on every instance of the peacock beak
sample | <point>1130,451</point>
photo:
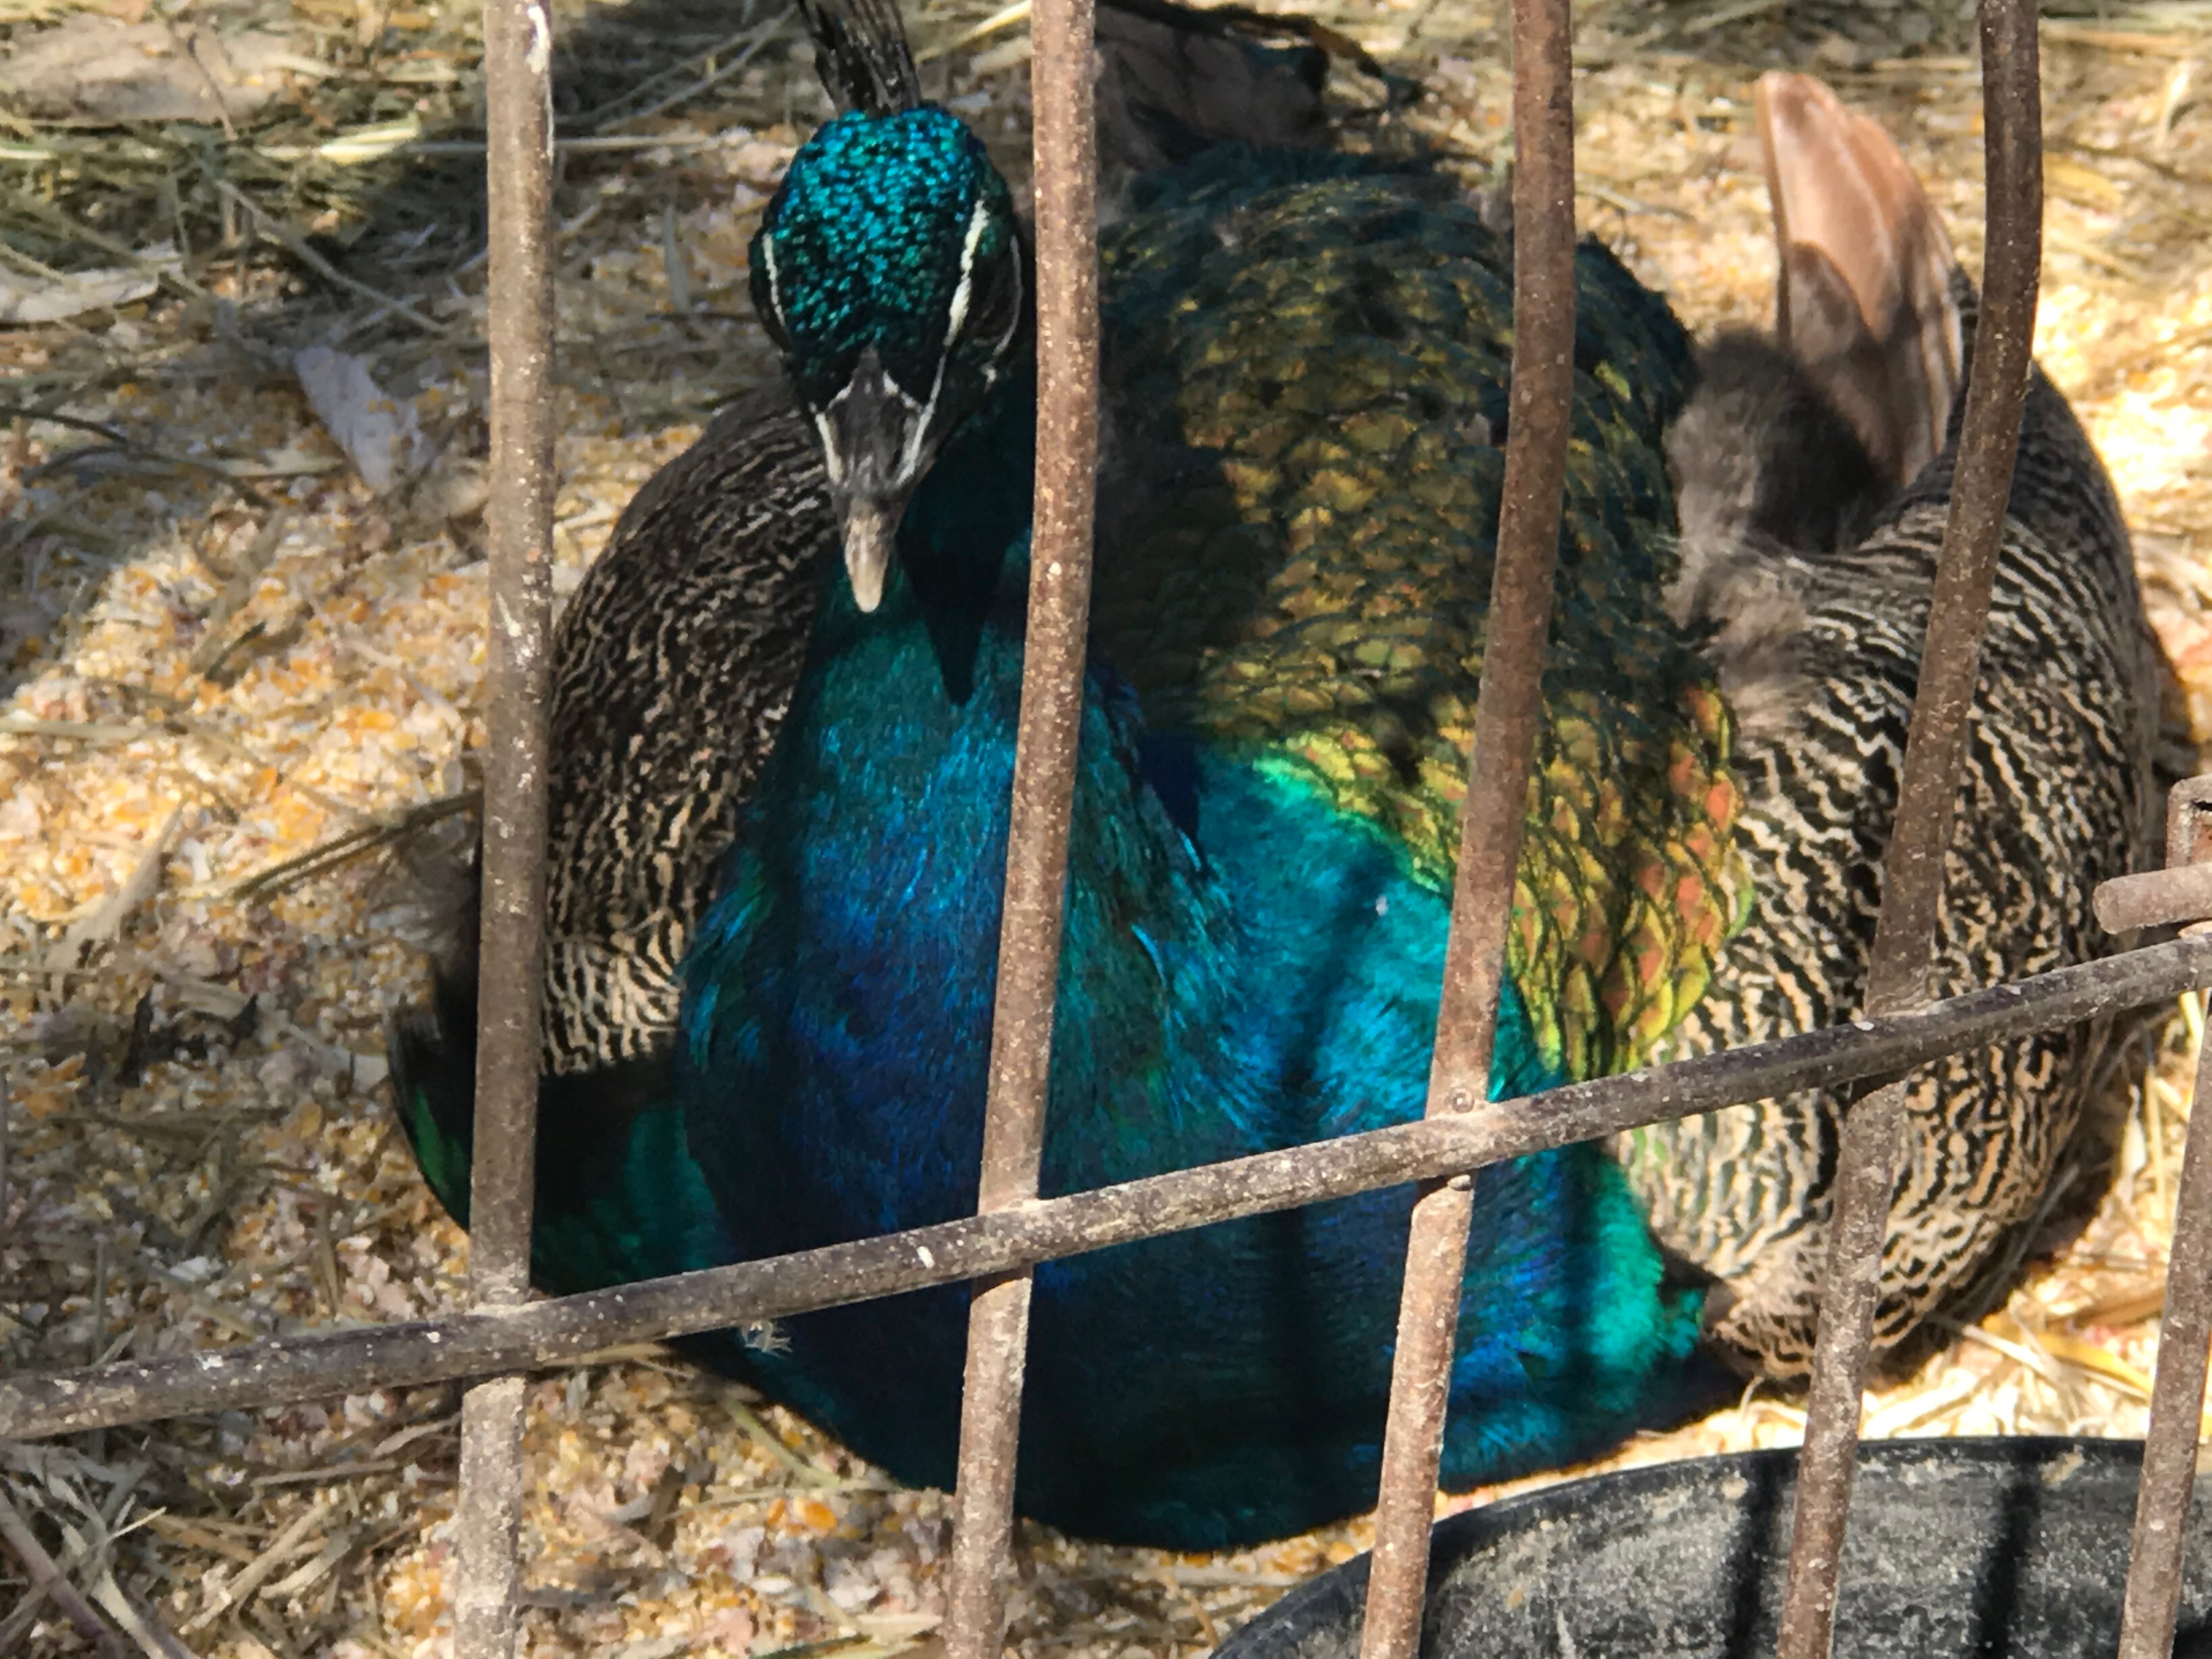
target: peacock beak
<point>873,444</point>
<point>870,531</point>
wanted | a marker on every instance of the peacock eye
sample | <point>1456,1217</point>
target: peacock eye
<point>990,316</point>
<point>771,322</point>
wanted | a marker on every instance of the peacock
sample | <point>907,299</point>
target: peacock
<point>1305,370</point>
<point>674,665</point>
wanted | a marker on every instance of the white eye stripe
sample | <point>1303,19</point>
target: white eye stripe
<point>1013,322</point>
<point>917,435</point>
<point>1013,311</point>
<point>978,221</point>
<point>774,287</point>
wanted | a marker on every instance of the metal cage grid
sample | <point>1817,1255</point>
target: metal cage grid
<point>505,1334</point>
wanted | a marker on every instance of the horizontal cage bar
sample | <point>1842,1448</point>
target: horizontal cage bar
<point>563,1331</point>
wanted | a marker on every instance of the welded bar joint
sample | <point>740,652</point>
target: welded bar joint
<point>2182,892</point>
<point>1509,706</point>
<point>519,133</point>
<point>2153,1597</point>
<point>1065,172</point>
<point>1913,866</point>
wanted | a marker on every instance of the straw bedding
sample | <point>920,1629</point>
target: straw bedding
<point>221,651</point>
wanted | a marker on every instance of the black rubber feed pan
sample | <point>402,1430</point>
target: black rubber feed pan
<point>2013,1549</point>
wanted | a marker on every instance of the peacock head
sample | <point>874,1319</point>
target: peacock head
<point>890,271</point>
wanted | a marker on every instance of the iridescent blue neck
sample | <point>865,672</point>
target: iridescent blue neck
<point>974,505</point>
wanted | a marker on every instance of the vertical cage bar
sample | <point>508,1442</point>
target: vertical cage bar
<point>1912,868</point>
<point>2168,1480</point>
<point>2177,1407</point>
<point>1492,815</point>
<point>518,122</point>
<point>1065,172</point>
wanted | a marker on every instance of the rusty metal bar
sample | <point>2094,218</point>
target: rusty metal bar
<point>2176,1405</point>
<point>1067,174</point>
<point>519,131</point>
<point>560,1333</point>
<point>2156,898</point>
<point>2182,892</point>
<point>2176,1402</point>
<point>1912,868</point>
<point>1491,817</point>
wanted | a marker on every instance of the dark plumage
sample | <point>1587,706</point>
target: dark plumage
<point>860,53</point>
<point>674,665</point>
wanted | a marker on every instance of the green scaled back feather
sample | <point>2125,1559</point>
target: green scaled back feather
<point>1314,591</point>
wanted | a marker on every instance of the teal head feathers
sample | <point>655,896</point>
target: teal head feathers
<point>892,275</point>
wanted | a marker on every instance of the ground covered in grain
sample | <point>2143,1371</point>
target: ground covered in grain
<point>242,619</point>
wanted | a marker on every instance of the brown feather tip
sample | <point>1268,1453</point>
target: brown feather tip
<point>1863,296</point>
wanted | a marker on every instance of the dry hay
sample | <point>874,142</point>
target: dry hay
<point>223,653</point>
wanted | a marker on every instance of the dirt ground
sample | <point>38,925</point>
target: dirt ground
<point>222,648</point>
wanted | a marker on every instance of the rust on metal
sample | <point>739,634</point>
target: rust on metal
<point>563,1332</point>
<point>1509,703</point>
<point>489,1517</point>
<point>2156,898</point>
<point>2187,804</point>
<point>2177,1400</point>
<point>1913,866</point>
<point>518,130</point>
<point>2177,1407</point>
<point>2182,892</point>
<point>1066,171</point>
